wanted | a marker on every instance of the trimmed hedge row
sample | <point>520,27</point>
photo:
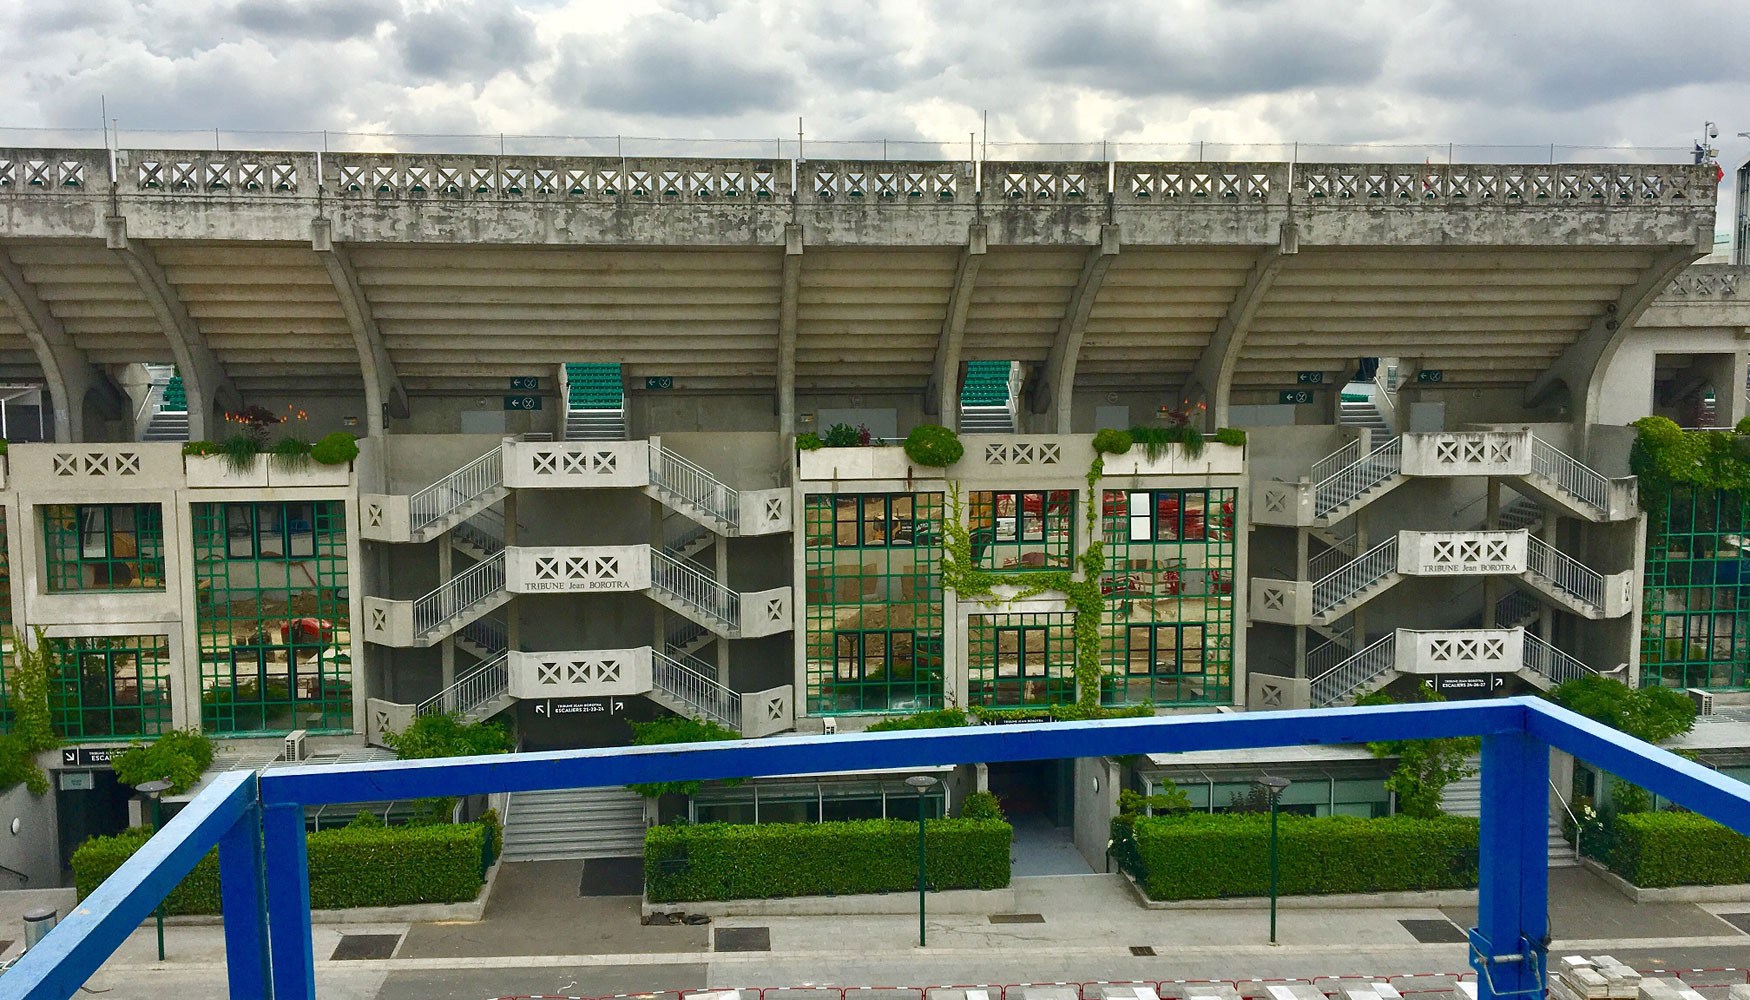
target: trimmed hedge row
<point>1204,856</point>
<point>349,867</point>
<point>771,860</point>
<point>1661,849</point>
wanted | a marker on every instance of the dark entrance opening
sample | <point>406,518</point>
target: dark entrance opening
<point>1039,798</point>
<point>98,811</point>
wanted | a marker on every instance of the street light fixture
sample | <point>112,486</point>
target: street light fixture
<point>1273,787</point>
<point>921,783</point>
<point>155,790</point>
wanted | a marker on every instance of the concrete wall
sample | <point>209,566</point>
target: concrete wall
<point>1628,382</point>
<point>679,411</point>
<point>32,849</point>
<point>1097,782</point>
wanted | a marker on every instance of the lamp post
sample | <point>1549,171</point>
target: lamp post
<point>1273,786</point>
<point>920,783</point>
<point>155,790</point>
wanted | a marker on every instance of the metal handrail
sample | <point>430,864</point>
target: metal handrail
<point>457,490</point>
<point>1358,477</point>
<point>1325,656</point>
<point>475,688</point>
<point>1355,576</point>
<point>488,633</point>
<point>1382,401</point>
<point>467,588</point>
<point>1542,658</point>
<point>1572,475</point>
<point>679,631</point>
<point>1337,460</point>
<point>484,531</point>
<point>1564,572</point>
<point>694,589</point>
<point>691,482</point>
<point>1326,563</point>
<point>1344,678</point>
<point>694,689</point>
<point>1513,606</point>
<point>154,396</point>
<point>680,531</point>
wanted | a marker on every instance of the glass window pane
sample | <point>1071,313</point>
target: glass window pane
<point>902,519</point>
<point>1167,516</point>
<point>845,520</point>
<point>240,530</point>
<point>874,520</point>
<point>1005,517</point>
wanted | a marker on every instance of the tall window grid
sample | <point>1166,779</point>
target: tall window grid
<point>109,687</point>
<point>89,547</point>
<point>273,618</point>
<point>1168,634</point>
<point>1022,530</point>
<point>874,602</point>
<point>1021,659</point>
<point>1695,628</point>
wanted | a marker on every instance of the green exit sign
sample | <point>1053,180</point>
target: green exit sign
<point>1310,378</point>
<point>522,402</point>
<point>525,383</point>
<point>1430,375</point>
<point>1295,397</point>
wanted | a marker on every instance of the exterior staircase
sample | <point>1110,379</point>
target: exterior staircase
<point>573,823</point>
<point>478,694</point>
<point>459,601</point>
<point>1356,582</point>
<point>1357,407</point>
<point>1566,581</point>
<point>688,686</point>
<point>987,397</point>
<point>1465,798</point>
<point>595,403</point>
<point>692,491</point>
<point>458,497</point>
<point>483,638</point>
<point>1545,665</point>
<point>683,589</point>
<point>165,407</point>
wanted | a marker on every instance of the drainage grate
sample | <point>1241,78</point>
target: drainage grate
<point>742,939</point>
<point>1142,951</point>
<point>1017,918</point>
<point>356,947</point>
<point>1435,931</point>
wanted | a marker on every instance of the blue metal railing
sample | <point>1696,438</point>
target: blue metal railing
<point>258,823</point>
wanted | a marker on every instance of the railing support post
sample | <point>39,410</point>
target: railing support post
<point>288,903</point>
<point>243,897</point>
<point>1509,946</point>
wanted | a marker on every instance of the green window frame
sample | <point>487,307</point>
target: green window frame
<point>103,547</point>
<point>273,617</point>
<point>1168,632</point>
<point>1695,617</point>
<point>1022,531</point>
<point>1021,659</point>
<point>8,638</point>
<point>109,687</point>
<point>873,602</point>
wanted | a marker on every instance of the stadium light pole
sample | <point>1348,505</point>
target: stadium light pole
<point>155,790</point>
<point>920,783</point>
<point>1273,787</point>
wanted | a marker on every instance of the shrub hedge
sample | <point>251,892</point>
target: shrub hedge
<point>771,860</point>
<point>1661,849</point>
<point>349,867</point>
<point>1204,856</point>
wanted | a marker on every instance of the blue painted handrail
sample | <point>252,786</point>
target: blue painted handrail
<point>240,814</point>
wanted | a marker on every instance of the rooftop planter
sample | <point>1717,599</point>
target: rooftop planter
<point>241,462</point>
<point>850,453</point>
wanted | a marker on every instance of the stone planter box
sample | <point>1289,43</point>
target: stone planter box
<point>1216,460</point>
<point>887,462</point>
<point>309,474</point>
<point>212,471</point>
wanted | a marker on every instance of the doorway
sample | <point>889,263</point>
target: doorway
<point>82,813</point>
<point>1038,796</point>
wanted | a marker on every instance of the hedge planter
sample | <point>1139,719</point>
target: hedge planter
<point>717,861</point>
<point>216,471</point>
<point>1664,849</point>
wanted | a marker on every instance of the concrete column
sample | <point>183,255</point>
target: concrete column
<point>789,292</point>
<point>513,632</point>
<point>1492,521</point>
<point>720,553</point>
<point>447,648</point>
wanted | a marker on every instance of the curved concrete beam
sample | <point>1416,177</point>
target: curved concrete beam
<point>203,377</point>
<point>1582,366</point>
<point>384,393</point>
<point>68,371</point>
<point>943,390</point>
<point>789,293</point>
<point>1057,389</point>
<point>1211,381</point>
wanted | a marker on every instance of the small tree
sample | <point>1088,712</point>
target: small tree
<point>677,730</point>
<point>1425,767</point>
<point>448,736</point>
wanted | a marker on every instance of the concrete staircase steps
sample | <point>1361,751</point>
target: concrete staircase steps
<point>488,708</point>
<point>490,602</point>
<point>167,425</point>
<point>595,425</point>
<point>460,514</point>
<point>986,420</point>
<point>1464,798</point>
<point>564,824</point>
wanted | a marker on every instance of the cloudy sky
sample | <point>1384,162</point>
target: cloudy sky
<point>1602,72</point>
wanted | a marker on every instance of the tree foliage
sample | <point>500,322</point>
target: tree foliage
<point>676,729</point>
<point>1425,767</point>
<point>1653,714</point>
<point>179,756</point>
<point>448,736</point>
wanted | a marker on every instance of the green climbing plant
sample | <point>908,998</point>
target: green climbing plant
<point>971,583</point>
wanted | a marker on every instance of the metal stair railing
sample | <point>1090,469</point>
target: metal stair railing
<point>1336,461</point>
<point>488,633</point>
<point>672,474</point>
<point>456,490</point>
<point>1358,477</point>
<point>1325,563</point>
<point>484,531</point>
<point>1569,473</point>
<point>1343,679</point>
<point>485,682</point>
<point>1325,656</point>
<point>1564,572</point>
<point>695,590</point>
<point>465,589</point>
<point>678,631</point>
<point>696,690</point>
<point>1514,607</point>
<point>1356,576</point>
<point>1546,660</point>
<point>680,531</point>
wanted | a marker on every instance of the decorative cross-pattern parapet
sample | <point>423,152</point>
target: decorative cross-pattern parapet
<point>1460,651</point>
<point>764,512</point>
<point>580,674</point>
<point>88,465</point>
<point>574,569</point>
<point>1461,553</point>
<point>1706,282</point>
<point>769,711</point>
<point>492,178</point>
<point>576,464</point>
<point>854,181</point>
<point>1467,453</point>
<point>1364,183</point>
<point>49,171</point>
<point>383,717</point>
<point>999,454</point>
<point>1285,602</point>
<point>1283,503</point>
<point>212,173</point>
<point>765,612</point>
<point>1063,183</point>
<point>136,466</point>
<point>1186,184</point>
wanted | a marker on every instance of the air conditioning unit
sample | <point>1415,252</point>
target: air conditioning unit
<point>294,747</point>
<point>1704,700</point>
